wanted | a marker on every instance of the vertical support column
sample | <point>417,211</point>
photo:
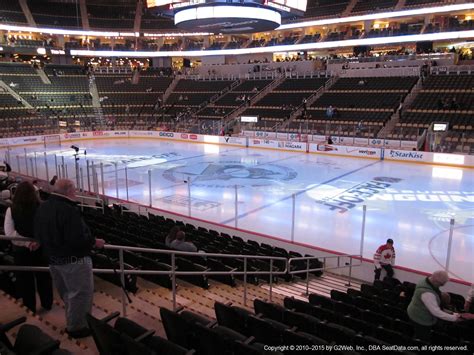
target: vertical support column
<point>94,179</point>
<point>46,166</point>
<point>271,279</point>
<point>189,196</point>
<point>362,232</point>
<point>36,167</point>
<point>116,180</point>
<point>88,176</point>
<point>307,277</point>
<point>126,181</point>
<point>18,163</point>
<point>81,179</point>
<point>76,166</point>
<point>97,184</point>
<point>32,167</point>
<point>350,272</point>
<point>150,195</point>
<point>245,280</point>
<point>8,156</point>
<point>62,167</point>
<point>450,242</point>
<point>293,212</point>
<point>122,279</point>
<point>173,279</point>
<point>102,178</point>
<point>236,207</point>
<point>56,164</point>
<point>26,164</point>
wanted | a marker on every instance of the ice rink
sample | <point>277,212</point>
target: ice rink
<point>410,203</point>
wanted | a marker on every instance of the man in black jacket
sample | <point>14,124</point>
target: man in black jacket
<point>67,242</point>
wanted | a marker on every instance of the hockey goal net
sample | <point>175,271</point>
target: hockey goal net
<point>53,140</point>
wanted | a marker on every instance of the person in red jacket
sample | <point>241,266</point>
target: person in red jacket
<point>384,258</point>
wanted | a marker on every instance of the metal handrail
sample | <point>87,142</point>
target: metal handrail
<point>324,258</point>
<point>82,199</point>
<point>173,272</point>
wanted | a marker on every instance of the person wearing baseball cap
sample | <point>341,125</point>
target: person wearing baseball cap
<point>384,258</point>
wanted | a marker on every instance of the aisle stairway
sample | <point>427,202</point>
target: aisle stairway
<point>97,107</point>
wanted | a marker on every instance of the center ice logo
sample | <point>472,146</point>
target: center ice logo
<point>230,173</point>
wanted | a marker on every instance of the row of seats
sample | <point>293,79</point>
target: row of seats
<point>133,230</point>
<point>187,85</point>
<point>373,5</point>
<point>358,100</point>
<point>325,8</point>
<point>29,339</point>
<point>375,83</point>
<point>240,95</point>
<point>127,337</point>
<point>301,84</point>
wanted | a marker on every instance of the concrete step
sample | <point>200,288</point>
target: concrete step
<point>319,285</point>
<point>51,323</point>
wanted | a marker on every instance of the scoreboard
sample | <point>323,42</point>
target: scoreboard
<point>289,6</point>
<point>228,16</point>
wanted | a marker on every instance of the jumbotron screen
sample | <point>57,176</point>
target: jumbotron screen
<point>283,5</point>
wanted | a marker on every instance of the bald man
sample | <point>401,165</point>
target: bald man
<point>67,242</point>
<point>424,309</point>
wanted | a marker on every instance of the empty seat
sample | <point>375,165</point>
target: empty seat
<point>267,331</point>
<point>232,317</point>
<point>319,300</point>
<point>269,310</point>
<point>302,321</point>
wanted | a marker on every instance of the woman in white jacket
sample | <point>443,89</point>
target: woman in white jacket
<point>19,222</point>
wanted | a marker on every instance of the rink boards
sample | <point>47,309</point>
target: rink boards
<point>367,152</point>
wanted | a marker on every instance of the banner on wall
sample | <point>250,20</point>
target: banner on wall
<point>405,155</point>
<point>361,141</point>
<point>297,137</point>
<point>262,134</point>
<point>142,134</point>
<point>26,140</point>
<point>296,146</point>
<point>262,143</point>
<point>351,151</point>
<point>391,143</point>
<point>429,158</point>
<point>286,145</point>
<point>94,135</point>
<point>376,142</point>
<point>317,138</point>
<point>191,137</point>
<point>317,145</point>
<point>233,141</point>
<point>408,144</point>
<point>74,135</point>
